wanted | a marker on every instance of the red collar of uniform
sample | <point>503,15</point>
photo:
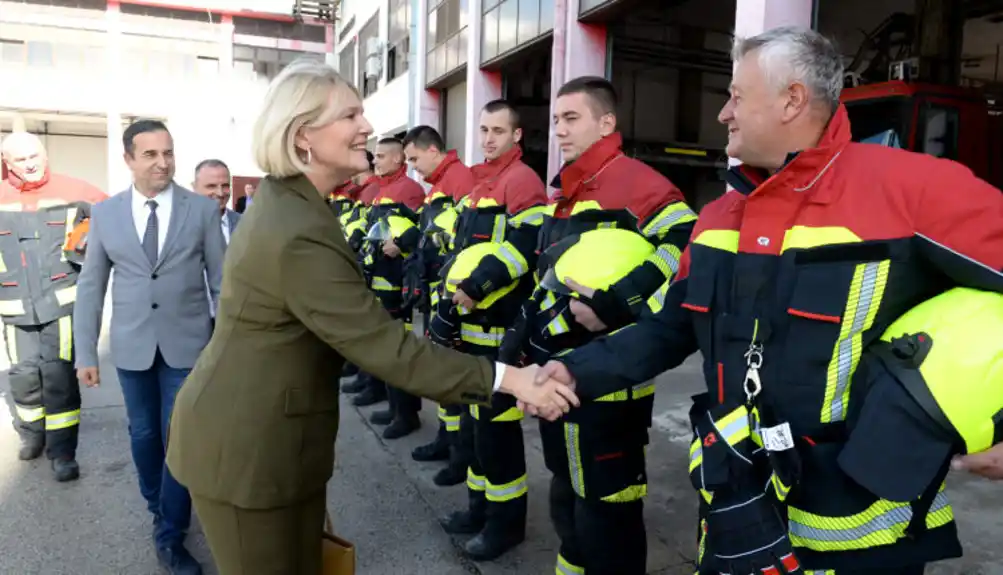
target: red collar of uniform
<point>802,168</point>
<point>346,190</point>
<point>23,186</point>
<point>436,176</point>
<point>392,177</point>
<point>576,174</point>
<point>491,169</point>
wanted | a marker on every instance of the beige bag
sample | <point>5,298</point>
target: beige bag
<point>339,555</point>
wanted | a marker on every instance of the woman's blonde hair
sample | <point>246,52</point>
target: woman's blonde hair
<point>306,93</point>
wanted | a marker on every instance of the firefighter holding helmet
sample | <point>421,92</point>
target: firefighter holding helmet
<point>43,235</point>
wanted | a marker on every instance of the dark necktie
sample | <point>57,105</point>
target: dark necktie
<point>151,234</point>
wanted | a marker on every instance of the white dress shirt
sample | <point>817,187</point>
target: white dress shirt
<point>141,214</point>
<point>225,224</point>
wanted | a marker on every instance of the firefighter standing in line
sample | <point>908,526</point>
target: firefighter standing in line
<point>597,452</point>
<point>821,245</point>
<point>352,221</point>
<point>451,181</point>
<point>38,212</point>
<point>398,200</point>
<point>343,198</point>
<point>506,207</point>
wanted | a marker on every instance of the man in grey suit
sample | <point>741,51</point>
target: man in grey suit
<point>212,180</point>
<point>163,243</point>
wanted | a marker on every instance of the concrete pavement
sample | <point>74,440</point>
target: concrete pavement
<point>379,498</point>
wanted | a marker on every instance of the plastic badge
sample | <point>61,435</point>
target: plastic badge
<point>777,438</point>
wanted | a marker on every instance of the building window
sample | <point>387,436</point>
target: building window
<point>370,57</point>
<point>447,37</point>
<point>509,24</point>
<point>587,5</point>
<point>346,63</point>
<point>263,63</point>
<point>399,38</point>
<point>40,54</point>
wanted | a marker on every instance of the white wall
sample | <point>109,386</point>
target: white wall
<point>83,157</point>
<point>455,118</point>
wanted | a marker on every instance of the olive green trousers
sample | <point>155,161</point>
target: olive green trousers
<point>283,541</point>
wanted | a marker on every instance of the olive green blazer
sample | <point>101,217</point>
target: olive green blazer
<point>255,422</point>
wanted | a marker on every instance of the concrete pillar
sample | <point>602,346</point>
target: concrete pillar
<point>579,49</point>
<point>330,54</point>
<point>118,175</point>
<point>228,122</point>
<point>427,104</point>
<point>755,16</point>
<point>482,86</point>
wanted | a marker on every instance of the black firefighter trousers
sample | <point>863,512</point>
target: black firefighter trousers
<point>402,403</point>
<point>44,386</point>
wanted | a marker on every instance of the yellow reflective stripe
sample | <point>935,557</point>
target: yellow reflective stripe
<point>671,215</point>
<point>862,302</point>
<point>805,237</point>
<point>734,427</point>
<point>666,259</point>
<point>66,338</point>
<point>475,482</point>
<point>564,567</point>
<point>513,260</point>
<point>702,544</point>
<point>571,435</point>
<point>477,335</point>
<point>498,231</point>
<point>725,240</point>
<point>505,492</point>
<point>657,300</point>
<point>820,572</point>
<point>66,296</point>
<point>632,493</point>
<point>10,340</point>
<point>11,307</point>
<point>778,486</point>
<point>529,217</point>
<point>548,302</point>
<point>559,325</point>
<point>639,391</point>
<point>62,420</point>
<point>475,411</point>
<point>383,284</point>
<point>883,523</point>
<point>696,454</point>
<point>29,414</point>
<point>510,414</point>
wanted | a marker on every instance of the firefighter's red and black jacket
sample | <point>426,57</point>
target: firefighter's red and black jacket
<point>813,263</point>
<point>37,283</point>
<point>604,188</point>
<point>398,195</point>
<point>355,222</point>
<point>506,206</point>
<point>344,197</point>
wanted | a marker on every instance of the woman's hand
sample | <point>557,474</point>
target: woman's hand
<point>549,398</point>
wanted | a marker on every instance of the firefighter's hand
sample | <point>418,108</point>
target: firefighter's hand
<point>390,249</point>
<point>553,372</point>
<point>461,299</point>
<point>988,464</point>
<point>547,398</point>
<point>584,314</point>
<point>89,376</point>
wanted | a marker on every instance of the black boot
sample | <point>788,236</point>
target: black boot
<point>469,521</point>
<point>382,417</point>
<point>355,384</point>
<point>372,395</point>
<point>504,529</point>
<point>30,449</point>
<point>438,450</point>
<point>65,469</point>
<point>402,425</point>
<point>349,369</point>
<point>450,475</point>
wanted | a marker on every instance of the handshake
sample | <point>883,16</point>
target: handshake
<point>547,392</point>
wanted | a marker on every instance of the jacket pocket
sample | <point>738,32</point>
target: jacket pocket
<point>699,300</point>
<point>815,315</point>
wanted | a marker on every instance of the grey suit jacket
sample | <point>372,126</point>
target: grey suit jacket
<point>232,218</point>
<point>160,306</point>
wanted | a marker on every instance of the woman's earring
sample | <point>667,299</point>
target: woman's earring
<point>309,156</point>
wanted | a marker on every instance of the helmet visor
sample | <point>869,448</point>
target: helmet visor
<point>379,232</point>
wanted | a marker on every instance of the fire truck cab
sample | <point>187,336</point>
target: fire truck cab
<point>961,124</point>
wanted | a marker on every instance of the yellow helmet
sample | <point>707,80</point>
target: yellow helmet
<point>440,229</point>
<point>595,259</point>
<point>390,227</point>
<point>460,267</point>
<point>954,343</point>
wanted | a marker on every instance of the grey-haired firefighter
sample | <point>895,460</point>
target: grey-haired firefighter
<point>617,230</point>
<point>43,237</point>
<point>505,209</point>
<point>450,182</point>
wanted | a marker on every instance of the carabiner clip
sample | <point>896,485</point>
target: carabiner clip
<point>752,384</point>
